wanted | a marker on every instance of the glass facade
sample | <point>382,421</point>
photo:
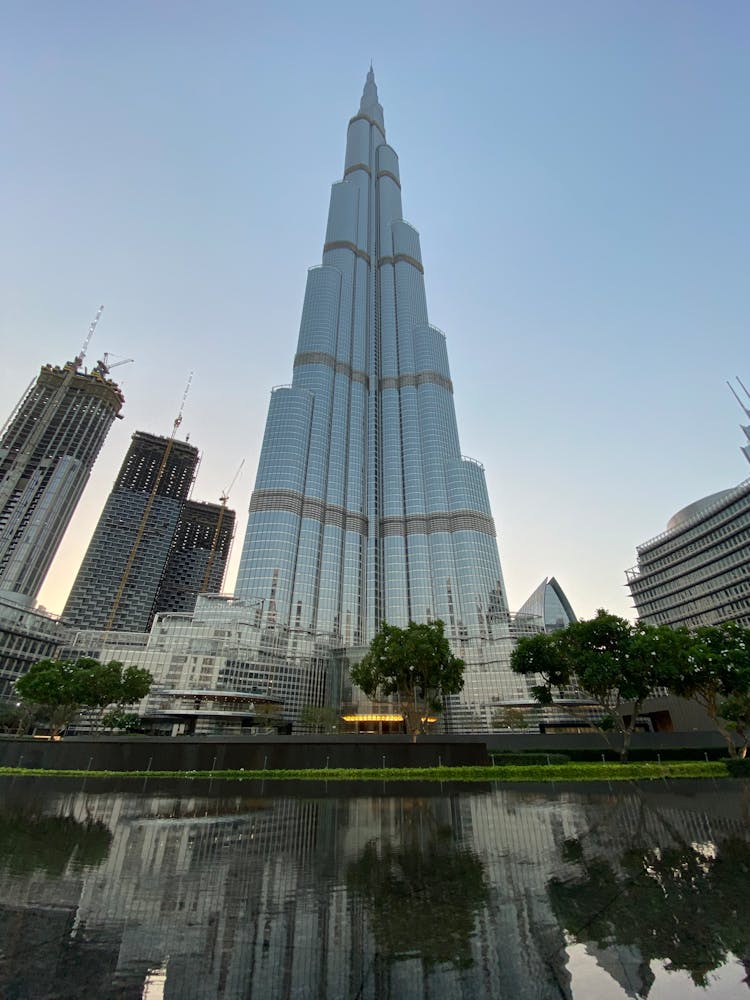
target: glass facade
<point>153,550</point>
<point>364,509</point>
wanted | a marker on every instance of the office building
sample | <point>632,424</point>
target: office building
<point>217,670</point>
<point>118,583</point>
<point>27,635</point>
<point>47,450</point>
<point>697,572</point>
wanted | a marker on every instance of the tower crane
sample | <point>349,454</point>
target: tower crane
<point>103,367</point>
<point>146,513</point>
<point>78,360</point>
<point>217,531</point>
<point>13,474</point>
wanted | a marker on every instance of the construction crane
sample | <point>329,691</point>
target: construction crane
<point>14,473</point>
<point>146,513</point>
<point>78,360</point>
<point>103,367</point>
<point>217,531</point>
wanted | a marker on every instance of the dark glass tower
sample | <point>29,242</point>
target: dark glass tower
<point>198,557</point>
<point>119,579</point>
<point>47,451</point>
<point>364,509</point>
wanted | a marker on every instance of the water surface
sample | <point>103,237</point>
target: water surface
<point>257,890</point>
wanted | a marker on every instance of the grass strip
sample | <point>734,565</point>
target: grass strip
<point>582,771</point>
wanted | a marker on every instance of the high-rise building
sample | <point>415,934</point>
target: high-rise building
<point>47,450</point>
<point>118,583</point>
<point>198,557</point>
<point>697,572</point>
<point>364,509</point>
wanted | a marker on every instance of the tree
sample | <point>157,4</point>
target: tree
<point>416,665</point>
<point>618,665</point>
<point>509,718</point>
<point>54,684</point>
<point>320,719</point>
<point>66,686</point>
<point>734,711</point>
<point>716,674</point>
<point>117,718</point>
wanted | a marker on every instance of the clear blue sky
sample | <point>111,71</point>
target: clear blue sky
<point>578,174</point>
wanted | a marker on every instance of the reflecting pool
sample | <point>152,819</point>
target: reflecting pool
<point>268,890</point>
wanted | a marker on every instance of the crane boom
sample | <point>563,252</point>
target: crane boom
<point>82,353</point>
<point>217,531</point>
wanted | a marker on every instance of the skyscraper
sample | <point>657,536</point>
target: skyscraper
<point>364,509</point>
<point>119,579</point>
<point>198,556</point>
<point>46,453</point>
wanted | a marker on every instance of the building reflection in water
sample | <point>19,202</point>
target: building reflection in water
<point>235,891</point>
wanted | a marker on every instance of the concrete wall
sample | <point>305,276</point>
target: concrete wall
<point>141,753</point>
<point>191,754</point>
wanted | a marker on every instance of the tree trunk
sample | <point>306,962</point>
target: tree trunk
<point>627,732</point>
<point>731,745</point>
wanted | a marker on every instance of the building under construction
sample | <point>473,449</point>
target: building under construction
<point>198,557</point>
<point>152,549</point>
<point>47,450</point>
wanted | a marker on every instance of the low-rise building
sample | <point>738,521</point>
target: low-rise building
<point>27,635</point>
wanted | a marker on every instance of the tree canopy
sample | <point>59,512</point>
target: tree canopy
<point>716,673</point>
<point>619,664</point>
<point>66,686</point>
<point>416,665</point>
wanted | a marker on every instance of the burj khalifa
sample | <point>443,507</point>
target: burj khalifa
<point>364,510</point>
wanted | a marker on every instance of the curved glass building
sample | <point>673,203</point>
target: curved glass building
<point>364,509</point>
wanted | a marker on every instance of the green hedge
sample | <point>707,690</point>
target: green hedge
<point>738,767</point>
<point>581,771</point>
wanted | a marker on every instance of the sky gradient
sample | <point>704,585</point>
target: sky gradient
<point>578,176</point>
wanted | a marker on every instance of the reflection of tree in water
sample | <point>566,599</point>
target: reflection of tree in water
<point>688,906</point>
<point>422,894</point>
<point>50,844</point>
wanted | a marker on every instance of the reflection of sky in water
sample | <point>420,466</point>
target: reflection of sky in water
<point>197,891</point>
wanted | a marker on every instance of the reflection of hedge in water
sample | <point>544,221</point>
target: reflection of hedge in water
<point>422,899</point>
<point>50,844</point>
<point>686,906</point>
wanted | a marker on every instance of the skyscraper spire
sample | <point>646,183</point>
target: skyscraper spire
<point>364,509</point>
<point>369,104</point>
